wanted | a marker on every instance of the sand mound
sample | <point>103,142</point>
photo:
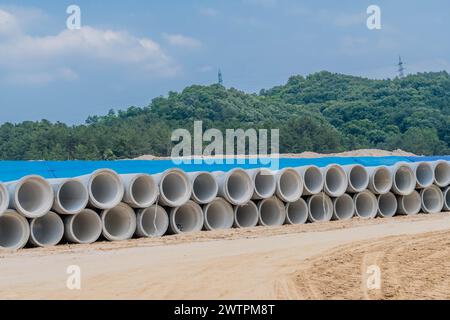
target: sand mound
<point>309,154</point>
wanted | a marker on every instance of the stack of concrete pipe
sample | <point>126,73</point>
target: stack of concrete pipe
<point>104,205</point>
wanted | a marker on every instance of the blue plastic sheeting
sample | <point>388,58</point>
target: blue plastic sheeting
<point>14,170</point>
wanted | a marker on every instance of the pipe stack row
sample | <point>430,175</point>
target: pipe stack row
<point>107,206</point>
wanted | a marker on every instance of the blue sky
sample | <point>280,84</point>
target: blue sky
<point>128,52</point>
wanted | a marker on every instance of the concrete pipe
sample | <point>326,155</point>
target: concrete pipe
<point>335,180</point>
<point>343,207</point>
<point>186,218</point>
<point>118,223</point>
<point>312,178</point>
<point>289,185</point>
<point>235,186</point>
<point>410,204</point>
<point>380,179</point>
<point>264,181</point>
<point>424,173</point>
<point>31,196</point>
<point>174,187</point>
<point>387,205</point>
<point>296,212</point>
<point>4,198</point>
<point>358,178</point>
<point>246,216</point>
<point>84,227</point>
<point>218,214</point>
<point>404,179</point>
<point>152,222</point>
<point>14,230</point>
<point>447,198</point>
<point>71,195</point>
<point>141,190</point>
<point>432,199</point>
<point>46,231</point>
<point>105,188</point>
<point>366,204</point>
<point>271,212</point>
<point>204,187</point>
<point>442,173</point>
<point>320,208</point>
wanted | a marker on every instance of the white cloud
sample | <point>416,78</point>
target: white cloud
<point>9,25</point>
<point>41,77</point>
<point>88,43</point>
<point>28,16</point>
<point>22,54</point>
<point>208,12</point>
<point>180,40</point>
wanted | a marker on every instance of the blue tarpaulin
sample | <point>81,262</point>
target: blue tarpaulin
<point>13,170</point>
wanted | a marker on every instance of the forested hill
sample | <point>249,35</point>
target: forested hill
<point>322,112</point>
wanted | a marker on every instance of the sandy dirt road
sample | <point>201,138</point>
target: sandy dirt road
<point>257,263</point>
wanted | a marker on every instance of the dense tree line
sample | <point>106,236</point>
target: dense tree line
<point>322,112</point>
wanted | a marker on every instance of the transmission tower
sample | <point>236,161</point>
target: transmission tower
<point>401,68</point>
<point>220,79</point>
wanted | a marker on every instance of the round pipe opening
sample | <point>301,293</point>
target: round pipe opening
<point>313,180</point>
<point>204,188</point>
<point>14,230</point>
<point>289,185</point>
<point>238,187</point>
<point>447,199</point>
<point>442,173</point>
<point>47,230</point>
<point>152,222</point>
<point>404,180</point>
<point>432,199</point>
<point>219,214</point>
<point>366,204</point>
<point>246,216</point>
<point>344,207</point>
<point>4,198</point>
<point>335,181</point>
<point>358,178</point>
<point>381,181</point>
<point>387,205</point>
<point>72,197</point>
<point>409,204</point>
<point>424,175</point>
<point>175,188</point>
<point>187,218</point>
<point>320,208</point>
<point>119,223</point>
<point>265,184</point>
<point>143,191</point>
<point>271,212</point>
<point>105,189</point>
<point>33,197</point>
<point>297,212</point>
<point>84,227</point>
